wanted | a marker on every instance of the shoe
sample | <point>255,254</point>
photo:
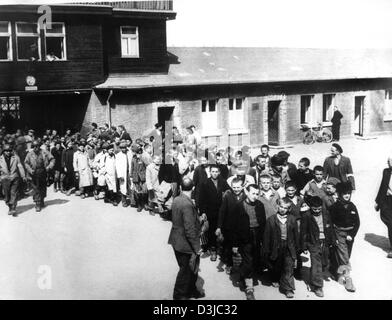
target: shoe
<point>55,190</point>
<point>250,295</point>
<point>114,203</point>
<point>37,208</point>
<point>349,285</point>
<point>289,294</point>
<point>125,204</point>
<point>152,213</point>
<point>77,193</point>
<point>275,284</point>
<point>96,197</point>
<point>10,212</point>
<point>197,294</point>
<point>389,255</point>
<point>213,256</point>
<point>341,280</point>
<point>139,209</point>
<point>228,269</point>
<point>319,292</point>
<point>82,196</point>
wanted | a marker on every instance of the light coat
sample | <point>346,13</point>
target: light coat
<point>123,170</point>
<point>81,164</point>
<point>16,168</point>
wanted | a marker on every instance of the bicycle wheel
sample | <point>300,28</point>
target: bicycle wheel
<point>308,137</point>
<point>327,135</point>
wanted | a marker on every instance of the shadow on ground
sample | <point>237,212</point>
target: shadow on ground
<point>377,241</point>
<point>48,203</point>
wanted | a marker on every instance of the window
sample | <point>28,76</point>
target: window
<point>388,105</point>
<point>129,42</point>
<point>209,115</point>
<point>236,113</point>
<point>28,41</point>
<point>55,42</point>
<point>306,106</point>
<point>328,103</point>
<point>5,41</point>
<point>9,108</point>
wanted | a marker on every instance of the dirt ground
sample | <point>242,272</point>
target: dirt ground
<point>84,249</point>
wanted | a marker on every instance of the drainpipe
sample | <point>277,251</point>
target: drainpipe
<point>109,111</point>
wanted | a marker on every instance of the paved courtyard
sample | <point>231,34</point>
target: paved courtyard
<point>93,250</point>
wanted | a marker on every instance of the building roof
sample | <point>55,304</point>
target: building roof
<point>225,65</point>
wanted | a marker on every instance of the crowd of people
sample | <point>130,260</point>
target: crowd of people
<point>257,214</point>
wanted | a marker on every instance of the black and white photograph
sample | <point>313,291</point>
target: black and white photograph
<point>196,150</point>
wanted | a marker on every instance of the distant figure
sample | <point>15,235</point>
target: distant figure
<point>337,116</point>
<point>384,201</point>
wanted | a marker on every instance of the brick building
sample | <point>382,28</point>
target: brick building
<point>114,67</point>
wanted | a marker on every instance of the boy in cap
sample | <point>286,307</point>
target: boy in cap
<point>315,238</point>
<point>345,220</point>
<point>277,164</point>
<point>289,167</point>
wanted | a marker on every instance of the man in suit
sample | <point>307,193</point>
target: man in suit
<point>200,176</point>
<point>185,239</point>
<point>211,193</point>
<point>37,163</point>
<point>336,121</point>
<point>384,201</point>
<point>11,170</point>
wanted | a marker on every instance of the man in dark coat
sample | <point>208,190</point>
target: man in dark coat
<point>224,170</point>
<point>200,176</point>
<point>57,152</point>
<point>339,166</point>
<point>384,201</point>
<point>281,244</point>
<point>226,219</point>
<point>37,163</point>
<point>11,171</point>
<point>249,224</point>
<point>185,239</point>
<point>336,121</point>
<point>289,167</point>
<point>211,192</point>
<point>67,164</point>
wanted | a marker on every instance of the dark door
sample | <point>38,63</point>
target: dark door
<point>165,114</point>
<point>358,115</point>
<point>273,122</point>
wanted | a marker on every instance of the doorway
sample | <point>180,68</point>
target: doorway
<point>358,115</point>
<point>273,122</point>
<point>165,114</point>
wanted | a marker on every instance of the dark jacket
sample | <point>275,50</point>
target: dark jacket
<point>310,232</point>
<point>224,170</point>
<point>241,233</point>
<point>227,210</point>
<point>292,170</point>
<point>199,177</point>
<point>272,237</point>
<point>296,208</point>
<point>381,198</point>
<point>185,233</point>
<point>125,135</point>
<point>169,173</point>
<point>57,154</point>
<point>344,168</point>
<point>337,116</point>
<point>138,171</point>
<point>301,178</point>
<point>211,197</point>
<point>67,159</point>
<point>345,215</point>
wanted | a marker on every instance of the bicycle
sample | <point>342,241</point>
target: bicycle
<point>316,133</point>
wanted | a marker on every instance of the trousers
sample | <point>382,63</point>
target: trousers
<point>10,191</point>
<point>186,279</point>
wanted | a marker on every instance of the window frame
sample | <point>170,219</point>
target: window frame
<point>388,105</point>
<point>57,35</point>
<point>27,35</point>
<point>136,56</point>
<point>207,125</point>
<point>237,113</point>
<point>329,111</point>
<point>9,34</point>
<point>308,112</point>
